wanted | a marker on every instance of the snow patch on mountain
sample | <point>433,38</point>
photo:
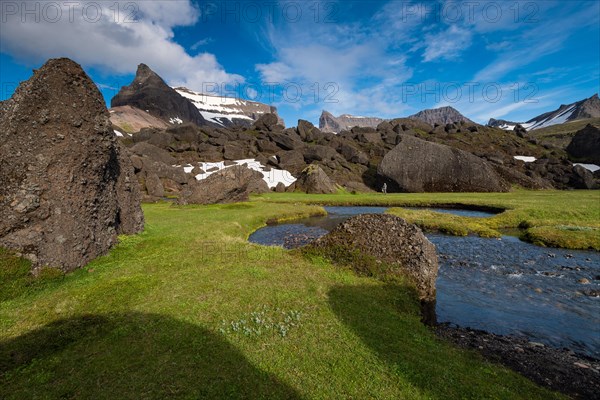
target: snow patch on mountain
<point>561,118</point>
<point>587,108</point>
<point>225,111</point>
<point>271,176</point>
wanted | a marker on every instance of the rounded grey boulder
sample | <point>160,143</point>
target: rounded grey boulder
<point>416,165</point>
<point>400,249</point>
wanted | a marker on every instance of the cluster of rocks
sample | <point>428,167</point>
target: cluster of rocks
<point>408,155</point>
<point>435,150</point>
<point>67,187</point>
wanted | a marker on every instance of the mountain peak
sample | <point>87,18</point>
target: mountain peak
<point>150,93</point>
<point>583,109</point>
<point>442,115</point>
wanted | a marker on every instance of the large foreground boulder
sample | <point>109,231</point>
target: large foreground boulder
<point>229,185</point>
<point>585,145</point>
<point>392,246</point>
<point>67,188</point>
<point>314,180</point>
<point>416,165</point>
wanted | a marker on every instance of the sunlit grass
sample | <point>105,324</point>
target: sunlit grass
<point>171,313</point>
<point>569,219</point>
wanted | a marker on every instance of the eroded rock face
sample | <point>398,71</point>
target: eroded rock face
<point>416,165</point>
<point>330,123</point>
<point>401,247</point>
<point>228,185</point>
<point>315,181</point>
<point>67,188</point>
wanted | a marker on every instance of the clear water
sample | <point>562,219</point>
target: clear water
<point>455,211</point>
<point>503,286</point>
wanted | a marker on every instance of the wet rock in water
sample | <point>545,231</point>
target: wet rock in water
<point>391,248</point>
<point>584,281</point>
<point>591,293</point>
<point>228,185</point>
<point>67,188</point>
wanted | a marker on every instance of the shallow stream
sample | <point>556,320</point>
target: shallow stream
<point>503,286</point>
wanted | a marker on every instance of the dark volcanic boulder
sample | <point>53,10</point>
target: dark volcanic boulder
<point>67,188</point>
<point>314,180</point>
<point>416,165</point>
<point>394,248</point>
<point>150,93</point>
<point>152,152</point>
<point>585,145</point>
<point>520,131</point>
<point>228,185</point>
<point>266,122</point>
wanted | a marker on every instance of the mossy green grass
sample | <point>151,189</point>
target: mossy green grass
<point>567,219</point>
<point>189,309</point>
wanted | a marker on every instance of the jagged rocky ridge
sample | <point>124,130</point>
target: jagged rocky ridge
<point>434,116</point>
<point>329,123</point>
<point>148,92</point>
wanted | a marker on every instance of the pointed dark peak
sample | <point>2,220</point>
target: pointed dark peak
<point>150,93</point>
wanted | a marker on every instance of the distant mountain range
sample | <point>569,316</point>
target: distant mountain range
<point>587,108</point>
<point>149,101</point>
<point>329,123</point>
<point>440,116</point>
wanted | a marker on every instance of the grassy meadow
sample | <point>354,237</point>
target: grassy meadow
<point>567,219</point>
<point>189,309</point>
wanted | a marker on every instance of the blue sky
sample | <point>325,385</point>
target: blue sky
<point>508,59</point>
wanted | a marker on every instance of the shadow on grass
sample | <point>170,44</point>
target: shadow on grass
<point>130,356</point>
<point>386,318</point>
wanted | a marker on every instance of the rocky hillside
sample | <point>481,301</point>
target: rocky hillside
<point>329,123</point>
<point>67,187</point>
<point>586,108</point>
<point>168,161</point>
<point>227,111</point>
<point>441,116</point>
<point>130,119</point>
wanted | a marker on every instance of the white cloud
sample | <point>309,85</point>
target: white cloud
<point>446,45</point>
<point>113,42</point>
<point>356,58</point>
